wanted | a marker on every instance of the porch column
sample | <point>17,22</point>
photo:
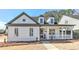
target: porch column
<point>48,33</point>
<point>65,34</point>
<point>71,34</point>
<point>62,33</point>
<point>39,34</point>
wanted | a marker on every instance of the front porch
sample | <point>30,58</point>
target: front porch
<point>56,32</point>
<point>59,37</point>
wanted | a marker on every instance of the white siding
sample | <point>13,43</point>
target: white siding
<point>20,20</point>
<point>70,21</point>
<point>23,34</point>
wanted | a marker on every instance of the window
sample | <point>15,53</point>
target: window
<point>68,32</point>
<point>64,32</point>
<point>41,20</point>
<point>16,31</point>
<point>60,32</point>
<point>51,20</point>
<point>24,20</point>
<point>6,27</point>
<point>66,22</point>
<point>41,31</point>
<point>51,31</point>
<point>31,32</point>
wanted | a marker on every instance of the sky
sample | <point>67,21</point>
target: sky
<point>8,14</point>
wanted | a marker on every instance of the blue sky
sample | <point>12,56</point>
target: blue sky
<point>8,14</point>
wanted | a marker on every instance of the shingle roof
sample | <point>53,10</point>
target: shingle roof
<point>41,16</point>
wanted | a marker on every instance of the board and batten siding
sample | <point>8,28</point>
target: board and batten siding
<point>23,34</point>
<point>20,20</point>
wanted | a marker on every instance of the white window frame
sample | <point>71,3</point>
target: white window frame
<point>31,32</point>
<point>52,21</point>
<point>16,31</point>
<point>41,20</point>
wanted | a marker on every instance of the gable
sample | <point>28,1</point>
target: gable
<point>23,18</point>
<point>70,21</point>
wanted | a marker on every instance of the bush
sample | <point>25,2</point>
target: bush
<point>76,34</point>
<point>2,31</point>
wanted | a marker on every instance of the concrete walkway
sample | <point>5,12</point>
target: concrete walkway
<point>49,46</point>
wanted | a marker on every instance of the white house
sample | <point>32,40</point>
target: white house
<point>25,28</point>
<point>70,19</point>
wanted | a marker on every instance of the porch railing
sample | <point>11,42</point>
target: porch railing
<point>59,37</point>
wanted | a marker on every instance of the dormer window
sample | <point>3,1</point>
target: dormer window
<point>51,20</point>
<point>41,20</point>
<point>24,20</point>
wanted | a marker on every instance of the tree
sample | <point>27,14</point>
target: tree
<point>58,13</point>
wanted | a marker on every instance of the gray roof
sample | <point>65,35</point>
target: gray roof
<point>41,16</point>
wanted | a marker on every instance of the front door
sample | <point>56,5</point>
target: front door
<point>42,34</point>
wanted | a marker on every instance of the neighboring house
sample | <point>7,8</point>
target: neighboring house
<point>70,19</point>
<point>25,28</point>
